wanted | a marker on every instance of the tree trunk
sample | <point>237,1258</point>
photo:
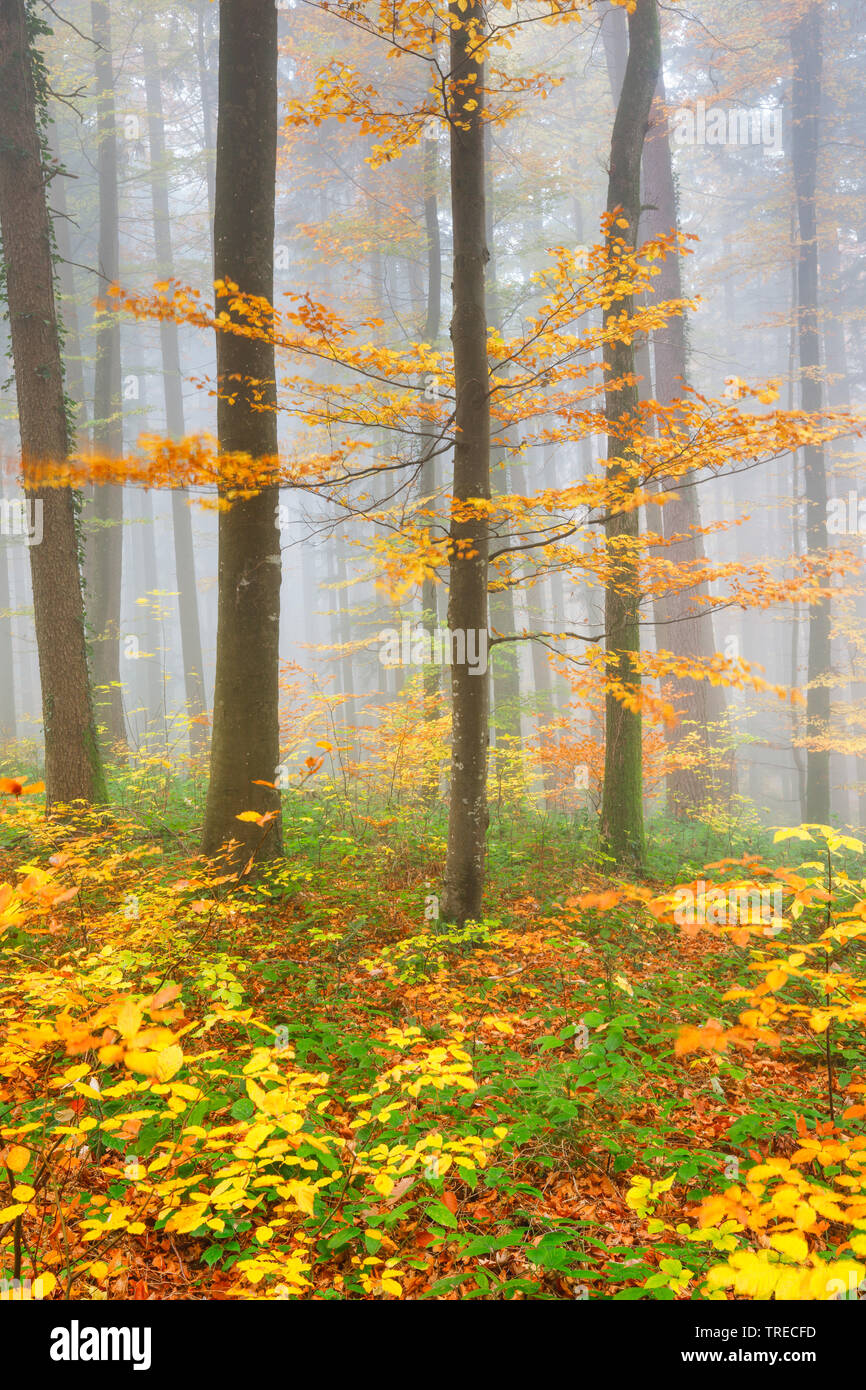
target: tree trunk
<point>806,100</point>
<point>105,541</point>
<point>504,667</point>
<point>686,629</point>
<point>622,803</point>
<point>467,603</point>
<point>169,338</point>
<point>7,670</point>
<point>433,239</point>
<point>72,765</point>
<point>246,744</point>
<point>73,362</point>
<point>202,10</point>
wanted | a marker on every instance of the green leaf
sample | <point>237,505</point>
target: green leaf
<point>439,1212</point>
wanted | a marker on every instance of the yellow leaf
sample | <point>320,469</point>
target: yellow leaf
<point>17,1159</point>
<point>169,1061</point>
<point>790,1243</point>
<point>129,1019</point>
<point>160,1065</point>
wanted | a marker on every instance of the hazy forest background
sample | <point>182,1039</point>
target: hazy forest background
<point>432,649</point>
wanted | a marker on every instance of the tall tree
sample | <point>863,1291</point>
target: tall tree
<point>467,603</point>
<point>685,628</point>
<point>246,746</point>
<point>105,541</point>
<point>433,245</point>
<point>806,47</point>
<point>72,764</point>
<point>622,802</point>
<point>169,339</point>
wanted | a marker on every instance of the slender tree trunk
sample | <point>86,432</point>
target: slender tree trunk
<point>504,668</point>
<point>72,765</point>
<point>73,363</point>
<point>686,628</point>
<point>622,803</point>
<point>105,542</point>
<point>806,99</point>
<point>246,744</point>
<point>143,582</point>
<point>429,596</point>
<point>169,338</point>
<point>7,670</point>
<point>467,604</point>
<point>204,80</point>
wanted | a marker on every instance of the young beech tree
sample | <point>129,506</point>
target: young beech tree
<point>72,764</point>
<point>245,751</point>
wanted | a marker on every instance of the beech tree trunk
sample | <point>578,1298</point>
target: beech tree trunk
<point>806,101</point>
<point>467,603</point>
<point>73,362</point>
<point>504,665</point>
<point>433,239</point>
<point>169,338</point>
<point>622,802</point>
<point>72,764</point>
<point>246,746</point>
<point>685,628</point>
<point>105,541</point>
<point>7,672</point>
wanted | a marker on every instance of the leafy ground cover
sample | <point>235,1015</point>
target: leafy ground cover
<point>307,1085</point>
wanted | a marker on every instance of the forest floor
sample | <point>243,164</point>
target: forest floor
<point>305,1087</point>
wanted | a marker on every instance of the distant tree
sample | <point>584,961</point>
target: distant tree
<point>806,47</point>
<point>105,516</point>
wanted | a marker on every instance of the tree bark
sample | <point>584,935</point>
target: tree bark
<point>246,746</point>
<point>7,671</point>
<point>433,241</point>
<point>622,802</point>
<point>105,541</point>
<point>504,667</point>
<point>467,604</point>
<point>686,629</point>
<point>169,338</point>
<point>72,765</point>
<point>806,99</point>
